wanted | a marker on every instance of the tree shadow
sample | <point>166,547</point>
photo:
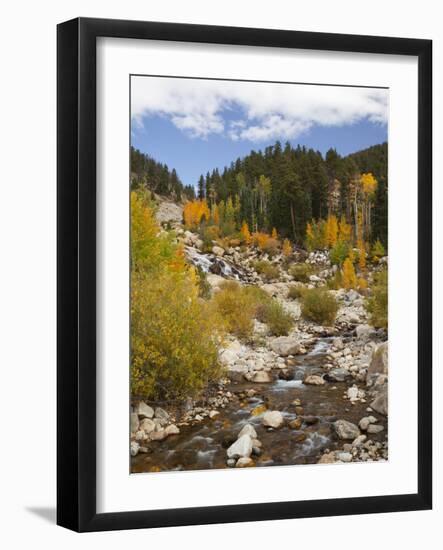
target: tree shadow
<point>46,513</point>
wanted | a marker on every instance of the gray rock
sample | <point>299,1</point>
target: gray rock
<point>285,345</point>
<point>380,403</point>
<point>273,419</point>
<point>343,456</point>
<point>358,441</point>
<point>375,428</point>
<point>240,448</point>
<point>337,375</point>
<point>161,414</point>
<point>135,447</point>
<point>346,430</point>
<point>364,332</point>
<point>366,421</point>
<point>144,410</point>
<point>134,422</point>
<point>379,363</point>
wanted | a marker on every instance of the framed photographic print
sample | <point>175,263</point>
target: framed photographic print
<point>244,274</point>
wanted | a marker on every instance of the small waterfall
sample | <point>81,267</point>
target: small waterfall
<point>210,263</point>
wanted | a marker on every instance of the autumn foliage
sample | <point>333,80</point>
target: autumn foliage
<point>174,333</point>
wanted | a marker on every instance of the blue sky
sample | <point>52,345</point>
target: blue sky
<point>195,126</point>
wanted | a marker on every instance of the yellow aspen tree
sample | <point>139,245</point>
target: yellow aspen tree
<point>287,248</point>
<point>344,230</point>
<point>332,230</point>
<point>274,233</point>
<point>246,233</point>
<point>349,277</point>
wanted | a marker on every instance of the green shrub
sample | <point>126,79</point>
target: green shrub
<point>204,288</point>
<point>336,281</point>
<point>279,321</point>
<point>300,272</point>
<point>295,292</point>
<point>377,251</point>
<point>377,304</point>
<point>319,306</point>
<point>339,252</point>
<point>266,269</point>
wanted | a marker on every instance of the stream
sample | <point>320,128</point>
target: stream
<point>203,445</point>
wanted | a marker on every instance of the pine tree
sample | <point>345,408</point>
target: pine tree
<point>201,188</point>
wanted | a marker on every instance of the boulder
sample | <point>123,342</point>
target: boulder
<point>273,419</point>
<point>379,363</point>
<point>148,425</point>
<point>380,403</point>
<point>364,332</point>
<point>346,430</point>
<point>344,456</point>
<point>352,393</point>
<point>285,345</point>
<point>261,377</point>
<point>358,441</point>
<point>366,421</point>
<point>248,429</point>
<point>337,375</point>
<point>313,380</point>
<point>218,251</point>
<point>135,447</point>
<point>144,410</point>
<point>375,428</point>
<point>241,448</point>
<point>134,422</point>
<point>172,429</point>
<point>161,414</point>
<point>214,281</point>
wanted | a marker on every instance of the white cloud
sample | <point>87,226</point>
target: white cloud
<point>268,111</point>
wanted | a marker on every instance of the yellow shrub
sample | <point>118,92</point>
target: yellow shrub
<point>319,305</point>
<point>287,248</point>
<point>237,309</point>
<point>174,337</point>
<point>349,277</point>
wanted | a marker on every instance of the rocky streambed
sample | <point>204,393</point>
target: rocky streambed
<point>318,395</point>
<point>315,422</point>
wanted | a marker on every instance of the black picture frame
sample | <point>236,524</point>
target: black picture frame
<point>76,266</point>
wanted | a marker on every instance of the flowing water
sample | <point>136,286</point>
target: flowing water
<point>203,445</point>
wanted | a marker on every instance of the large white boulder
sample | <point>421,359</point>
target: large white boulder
<point>241,448</point>
<point>285,345</point>
<point>144,410</point>
<point>273,419</point>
